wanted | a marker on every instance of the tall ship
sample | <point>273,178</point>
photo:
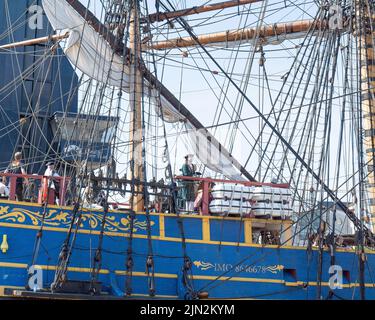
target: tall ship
<point>187,149</point>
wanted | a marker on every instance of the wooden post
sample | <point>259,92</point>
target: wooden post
<point>206,233</point>
<point>62,191</point>
<point>136,133</point>
<point>248,231</point>
<point>12,191</point>
<point>206,198</point>
<point>287,233</point>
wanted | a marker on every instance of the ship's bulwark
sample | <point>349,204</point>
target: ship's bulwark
<point>217,247</point>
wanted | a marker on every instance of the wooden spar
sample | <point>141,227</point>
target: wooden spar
<point>33,42</point>
<point>177,105</point>
<point>243,35</point>
<point>136,153</point>
<point>161,16</point>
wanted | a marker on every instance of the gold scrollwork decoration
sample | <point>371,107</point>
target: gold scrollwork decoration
<point>60,218</point>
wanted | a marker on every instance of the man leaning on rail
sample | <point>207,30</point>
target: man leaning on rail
<point>17,167</point>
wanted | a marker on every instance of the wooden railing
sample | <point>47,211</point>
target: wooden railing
<point>44,182</point>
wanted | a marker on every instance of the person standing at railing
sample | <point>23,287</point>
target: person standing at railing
<point>17,167</point>
<point>188,191</point>
<point>198,203</point>
<point>4,191</point>
<point>53,186</point>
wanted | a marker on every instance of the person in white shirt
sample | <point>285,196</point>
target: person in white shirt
<point>4,191</point>
<point>53,184</point>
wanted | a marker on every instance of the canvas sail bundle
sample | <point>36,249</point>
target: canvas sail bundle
<point>90,53</point>
<point>94,56</point>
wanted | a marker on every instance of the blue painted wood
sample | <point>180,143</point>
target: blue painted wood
<point>243,271</point>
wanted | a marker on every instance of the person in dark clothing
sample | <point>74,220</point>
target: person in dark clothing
<point>188,191</point>
<point>16,167</point>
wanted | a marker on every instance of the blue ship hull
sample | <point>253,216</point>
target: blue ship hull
<point>224,261</point>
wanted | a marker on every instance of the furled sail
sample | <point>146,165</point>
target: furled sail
<point>92,54</point>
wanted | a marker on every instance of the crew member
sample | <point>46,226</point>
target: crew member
<point>16,167</point>
<point>4,191</point>
<point>53,184</point>
<point>188,190</point>
<point>198,203</point>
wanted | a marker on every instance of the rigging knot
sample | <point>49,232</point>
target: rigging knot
<point>151,280</point>
<point>130,263</point>
<point>64,252</point>
<point>187,264</point>
<point>98,256</point>
<point>149,262</point>
<point>262,58</point>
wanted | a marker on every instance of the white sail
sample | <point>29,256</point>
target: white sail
<point>93,56</point>
<point>90,53</point>
<point>208,152</point>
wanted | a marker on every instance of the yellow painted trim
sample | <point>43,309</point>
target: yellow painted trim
<point>206,232</point>
<point>162,234</point>
<point>143,274</point>
<point>292,284</point>
<point>48,268</point>
<point>248,232</point>
<point>287,234</point>
<point>195,277</point>
<point>140,236</point>
<point>30,204</point>
<point>161,227</point>
<point>286,283</point>
<point>84,231</point>
<point>78,269</point>
<point>2,289</point>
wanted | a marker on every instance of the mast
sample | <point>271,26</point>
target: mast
<point>137,200</point>
<point>366,16</point>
